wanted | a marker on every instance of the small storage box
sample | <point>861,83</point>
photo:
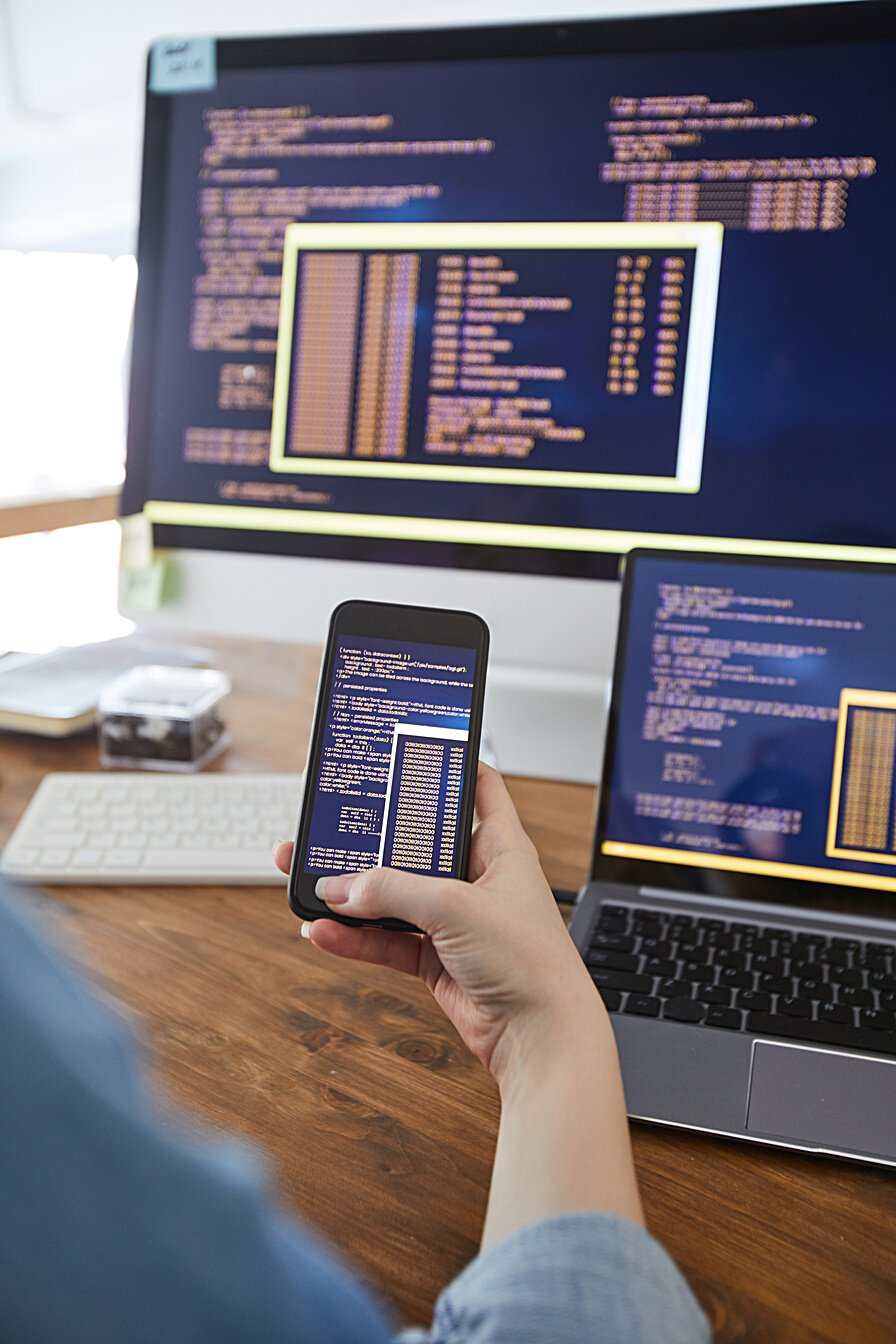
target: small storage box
<point>163,718</point>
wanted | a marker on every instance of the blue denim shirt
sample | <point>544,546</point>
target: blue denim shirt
<point>118,1227</point>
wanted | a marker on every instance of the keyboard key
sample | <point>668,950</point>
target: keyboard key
<point>616,942</point>
<point>698,973</point>
<point>710,923</point>
<point>636,984</point>
<point>656,947</point>
<point>684,1010</point>
<point>690,951</point>
<point>724,1017</point>
<point>754,999</point>
<point>614,961</point>
<point>735,979</point>
<point>663,966</point>
<point>877,1020</point>
<point>736,960</point>
<point>888,1001</point>
<point>643,1005</point>
<point>716,994</point>
<point>855,998</point>
<point>794,1007</point>
<point>612,999</point>
<point>839,975</point>
<point>775,984</point>
<point>54,858</point>
<point>769,965</point>
<point>813,989</point>
<point>822,1033</point>
<point>672,989</point>
<point>834,1013</point>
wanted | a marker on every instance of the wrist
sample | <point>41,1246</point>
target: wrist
<point>572,1031</point>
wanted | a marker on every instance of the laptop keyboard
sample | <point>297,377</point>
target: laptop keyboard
<point>733,976</point>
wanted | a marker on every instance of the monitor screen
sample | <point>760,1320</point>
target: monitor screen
<point>753,729</point>
<point>522,298</point>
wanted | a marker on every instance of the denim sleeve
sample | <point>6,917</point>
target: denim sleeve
<point>582,1278</point>
<point>116,1227</point>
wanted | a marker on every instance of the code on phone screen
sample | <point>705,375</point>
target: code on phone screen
<point>391,772</point>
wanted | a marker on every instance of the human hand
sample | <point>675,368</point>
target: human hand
<point>494,952</point>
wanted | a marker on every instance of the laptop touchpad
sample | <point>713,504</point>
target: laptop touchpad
<point>821,1097</point>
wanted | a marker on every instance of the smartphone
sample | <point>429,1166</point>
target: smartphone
<point>391,772</point>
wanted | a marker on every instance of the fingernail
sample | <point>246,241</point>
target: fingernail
<point>305,930</point>
<point>275,846</point>
<point>333,890</point>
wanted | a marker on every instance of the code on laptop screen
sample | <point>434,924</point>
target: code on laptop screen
<point>756,725</point>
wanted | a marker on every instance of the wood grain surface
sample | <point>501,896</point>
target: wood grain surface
<point>380,1125</point>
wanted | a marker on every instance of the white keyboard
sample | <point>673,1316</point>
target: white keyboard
<point>153,829</point>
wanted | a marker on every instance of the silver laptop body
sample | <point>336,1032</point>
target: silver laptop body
<point>741,917</point>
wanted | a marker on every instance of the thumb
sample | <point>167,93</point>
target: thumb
<point>391,893</point>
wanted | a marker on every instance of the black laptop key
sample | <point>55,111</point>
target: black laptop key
<point>612,999</point>
<point>697,973</point>
<point>885,949</point>
<point>855,998</point>
<point>807,970</point>
<point>736,960</point>
<point>616,942</point>
<point>673,989</point>
<point>656,947</point>
<point>612,923</point>
<point>756,1000</point>
<point>648,925</point>
<point>682,921</point>
<point>850,944</point>
<point>735,979</point>
<point>724,1017</point>
<point>877,1019</point>
<point>791,1006</point>
<point>843,975</point>
<point>775,984</point>
<point>643,1005</point>
<point>769,965</point>
<point>613,961</point>
<point>635,984</point>
<point>663,966</point>
<point>684,1010</point>
<point>888,1000</point>
<point>710,923</point>
<point>836,1013</point>
<point>823,1033</point>
<point>882,980</point>
<point>834,956</point>
<point>815,989</point>
<point>715,994</point>
<point>690,951</point>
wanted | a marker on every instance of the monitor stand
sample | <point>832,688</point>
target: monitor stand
<point>552,639</point>
<point>547,724</point>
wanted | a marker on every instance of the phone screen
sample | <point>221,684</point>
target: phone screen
<point>392,761</point>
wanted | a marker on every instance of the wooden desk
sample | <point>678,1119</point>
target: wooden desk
<point>381,1125</point>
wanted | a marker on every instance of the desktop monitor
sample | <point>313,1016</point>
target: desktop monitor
<point>462,315</point>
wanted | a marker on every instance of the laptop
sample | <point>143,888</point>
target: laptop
<point>740,919</point>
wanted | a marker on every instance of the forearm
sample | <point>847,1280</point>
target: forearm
<point>563,1143</point>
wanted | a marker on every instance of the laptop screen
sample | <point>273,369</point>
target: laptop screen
<point>753,725</point>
